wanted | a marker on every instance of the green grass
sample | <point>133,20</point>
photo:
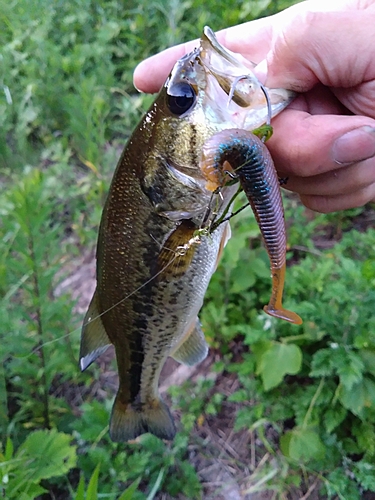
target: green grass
<point>67,106</point>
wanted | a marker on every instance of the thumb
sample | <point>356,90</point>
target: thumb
<point>328,47</point>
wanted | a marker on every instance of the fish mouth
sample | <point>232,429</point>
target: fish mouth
<point>244,92</point>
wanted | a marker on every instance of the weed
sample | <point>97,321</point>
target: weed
<point>67,106</point>
<point>319,377</point>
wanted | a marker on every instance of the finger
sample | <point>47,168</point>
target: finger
<point>305,145</point>
<point>151,73</point>
<point>320,100</point>
<point>359,100</point>
<point>251,39</point>
<point>337,182</point>
<point>327,204</point>
<point>306,50</point>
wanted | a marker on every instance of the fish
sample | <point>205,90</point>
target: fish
<point>162,231</point>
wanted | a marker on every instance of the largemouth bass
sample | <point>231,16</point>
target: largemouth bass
<point>159,241</point>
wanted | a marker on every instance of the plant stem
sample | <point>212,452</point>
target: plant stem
<point>3,401</point>
<point>312,403</point>
<point>40,347</point>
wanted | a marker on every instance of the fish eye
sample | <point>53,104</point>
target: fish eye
<point>180,98</point>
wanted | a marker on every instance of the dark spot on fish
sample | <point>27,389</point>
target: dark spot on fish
<point>153,192</point>
<point>143,308</point>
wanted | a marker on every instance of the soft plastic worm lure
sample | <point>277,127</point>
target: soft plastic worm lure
<point>241,154</point>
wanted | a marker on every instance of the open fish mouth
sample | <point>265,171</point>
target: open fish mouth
<point>233,74</point>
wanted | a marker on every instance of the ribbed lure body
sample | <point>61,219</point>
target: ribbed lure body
<point>239,153</point>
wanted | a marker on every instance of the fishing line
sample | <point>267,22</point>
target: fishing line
<point>208,211</point>
<point>202,231</point>
<point>184,248</point>
<point>195,240</point>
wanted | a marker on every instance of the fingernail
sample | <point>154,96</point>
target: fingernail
<point>136,69</point>
<point>356,145</point>
<point>261,71</point>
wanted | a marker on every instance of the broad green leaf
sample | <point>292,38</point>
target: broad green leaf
<point>368,358</point>
<point>354,399</point>
<point>260,348</point>
<point>50,454</point>
<point>277,361</point>
<point>364,431</point>
<point>370,392</point>
<point>302,445</point>
<point>360,396</point>
<point>261,269</point>
<point>351,371</point>
<point>241,281</point>
<point>333,417</point>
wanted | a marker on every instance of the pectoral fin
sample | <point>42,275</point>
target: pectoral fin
<point>178,251</point>
<point>194,349</point>
<point>94,338</point>
<point>224,240</point>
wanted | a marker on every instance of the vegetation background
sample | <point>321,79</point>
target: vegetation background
<point>277,412</point>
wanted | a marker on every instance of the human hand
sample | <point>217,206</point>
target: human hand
<point>324,142</point>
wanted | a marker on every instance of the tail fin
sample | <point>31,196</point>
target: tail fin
<point>128,422</point>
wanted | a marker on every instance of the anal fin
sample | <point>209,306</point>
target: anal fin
<point>194,348</point>
<point>94,338</point>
